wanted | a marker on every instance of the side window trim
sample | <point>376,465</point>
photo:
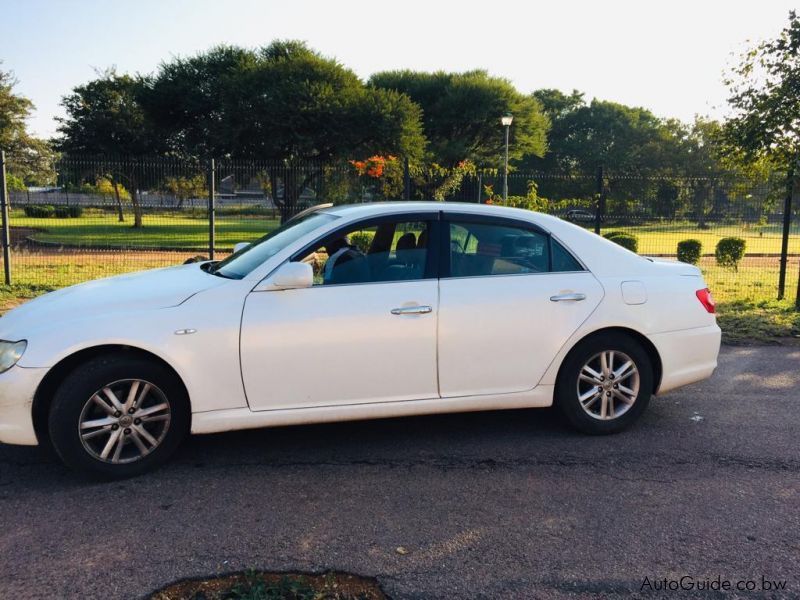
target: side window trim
<point>432,261</point>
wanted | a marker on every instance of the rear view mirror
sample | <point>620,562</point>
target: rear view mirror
<point>289,276</point>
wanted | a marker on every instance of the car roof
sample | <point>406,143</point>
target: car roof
<point>380,208</point>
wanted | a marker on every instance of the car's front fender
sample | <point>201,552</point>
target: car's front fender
<point>198,339</point>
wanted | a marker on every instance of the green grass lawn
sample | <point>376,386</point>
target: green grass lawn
<point>161,230</point>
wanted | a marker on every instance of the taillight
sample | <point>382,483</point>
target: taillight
<point>707,300</point>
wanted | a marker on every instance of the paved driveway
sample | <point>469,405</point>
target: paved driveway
<point>504,504</point>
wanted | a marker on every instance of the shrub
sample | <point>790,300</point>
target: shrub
<point>362,240</point>
<point>39,211</point>
<point>729,252</point>
<point>689,251</point>
<point>68,212</point>
<point>626,240</point>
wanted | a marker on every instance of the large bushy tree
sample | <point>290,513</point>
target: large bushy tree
<point>765,96</point>
<point>585,135</point>
<point>105,118</point>
<point>461,115</point>
<point>284,103</point>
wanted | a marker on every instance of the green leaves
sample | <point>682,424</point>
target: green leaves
<point>730,251</point>
<point>283,101</point>
<point>765,95</point>
<point>105,116</point>
<point>461,115</point>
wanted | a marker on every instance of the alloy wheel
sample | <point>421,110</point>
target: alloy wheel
<point>124,421</point>
<point>608,385</point>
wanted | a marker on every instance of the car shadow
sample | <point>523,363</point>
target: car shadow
<point>380,441</point>
<point>405,440</point>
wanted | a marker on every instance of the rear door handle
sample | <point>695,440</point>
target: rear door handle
<point>412,310</point>
<point>574,297</point>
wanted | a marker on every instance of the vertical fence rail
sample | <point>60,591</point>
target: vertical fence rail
<point>212,209</point>
<point>4,209</point>
<point>787,221</point>
<point>601,201</point>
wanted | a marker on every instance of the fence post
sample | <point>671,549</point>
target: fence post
<point>406,180</point>
<point>787,221</point>
<point>797,297</point>
<point>600,209</point>
<point>480,187</point>
<point>212,210</point>
<point>4,209</point>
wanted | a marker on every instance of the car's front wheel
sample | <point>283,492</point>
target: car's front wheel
<point>118,416</point>
<point>605,383</point>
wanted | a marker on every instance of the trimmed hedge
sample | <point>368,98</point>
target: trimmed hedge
<point>689,251</point>
<point>730,251</point>
<point>68,212</point>
<point>47,211</point>
<point>362,240</point>
<point>624,239</point>
<point>39,211</point>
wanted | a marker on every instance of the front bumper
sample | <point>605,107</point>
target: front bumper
<point>687,356</point>
<point>17,388</point>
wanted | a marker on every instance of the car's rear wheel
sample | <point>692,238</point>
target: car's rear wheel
<point>605,383</point>
<point>118,416</point>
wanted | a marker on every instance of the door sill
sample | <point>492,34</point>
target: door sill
<point>233,419</point>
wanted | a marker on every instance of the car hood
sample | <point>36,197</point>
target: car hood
<point>159,288</point>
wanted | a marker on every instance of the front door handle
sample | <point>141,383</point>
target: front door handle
<point>574,297</point>
<point>412,310</point>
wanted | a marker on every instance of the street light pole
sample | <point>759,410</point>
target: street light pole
<point>506,120</point>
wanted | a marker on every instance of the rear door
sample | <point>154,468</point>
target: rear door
<point>509,298</point>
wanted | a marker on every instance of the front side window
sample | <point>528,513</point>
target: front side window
<point>478,249</point>
<point>372,253</point>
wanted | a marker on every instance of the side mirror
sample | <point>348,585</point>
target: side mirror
<point>240,246</point>
<point>289,276</point>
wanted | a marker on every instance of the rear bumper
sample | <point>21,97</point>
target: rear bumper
<point>17,388</point>
<point>687,356</point>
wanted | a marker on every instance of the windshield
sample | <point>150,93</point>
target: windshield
<point>240,264</point>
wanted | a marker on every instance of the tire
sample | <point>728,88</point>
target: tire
<point>619,403</point>
<point>84,416</point>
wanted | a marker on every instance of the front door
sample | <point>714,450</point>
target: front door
<point>365,332</point>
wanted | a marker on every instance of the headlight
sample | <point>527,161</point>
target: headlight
<point>10,353</point>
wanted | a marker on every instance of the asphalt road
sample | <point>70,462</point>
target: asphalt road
<point>491,505</point>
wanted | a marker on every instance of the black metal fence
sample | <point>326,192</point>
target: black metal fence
<point>102,217</point>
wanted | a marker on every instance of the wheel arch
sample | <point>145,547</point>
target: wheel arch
<point>43,397</point>
<point>649,347</point>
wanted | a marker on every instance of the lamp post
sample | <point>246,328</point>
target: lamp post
<point>505,121</point>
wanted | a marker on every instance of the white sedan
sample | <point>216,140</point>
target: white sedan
<point>354,312</point>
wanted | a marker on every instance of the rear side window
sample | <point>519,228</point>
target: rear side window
<point>479,249</point>
<point>563,261</point>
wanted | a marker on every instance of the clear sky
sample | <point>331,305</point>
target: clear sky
<point>668,56</point>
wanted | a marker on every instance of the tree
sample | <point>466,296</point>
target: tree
<point>30,160</point>
<point>461,115</point>
<point>584,136</point>
<point>283,103</point>
<point>765,95</point>
<point>105,118</point>
<point>184,188</point>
